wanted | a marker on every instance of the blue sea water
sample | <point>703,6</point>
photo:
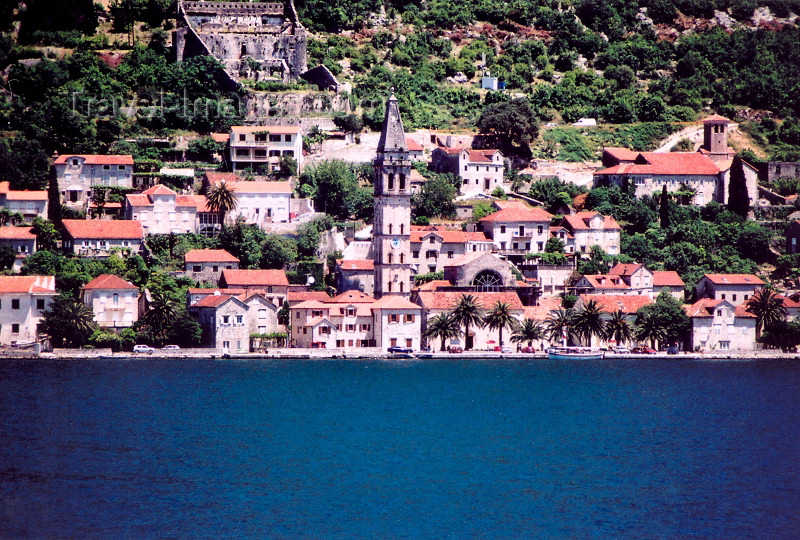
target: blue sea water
<point>371,449</point>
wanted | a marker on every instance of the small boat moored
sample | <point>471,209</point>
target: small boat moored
<point>574,353</point>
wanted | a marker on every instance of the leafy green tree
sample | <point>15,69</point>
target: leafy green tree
<point>68,322</point>
<point>7,257</point>
<point>278,252</point>
<point>468,312</point>
<point>350,123</point>
<point>663,207</point>
<point>47,236</point>
<point>443,327</point>
<point>514,123</point>
<point>435,199</point>
<point>500,317</point>
<point>529,331</point>
<point>205,148</point>
<point>782,334</point>
<point>768,308</point>
<point>336,190</point>
<point>598,262</point>
<point>244,242</point>
<point>664,321</point>
<point>221,199</point>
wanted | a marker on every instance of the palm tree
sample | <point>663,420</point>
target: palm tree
<point>618,327</point>
<point>467,312</point>
<point>500,317</point>
<point>528,331</point>
<point>221,199</point>
<point>443,327</point>
<point>559,324</point>
<point>767,307</point>
<point>161,315</point>
<point>588,321</point>
<point>68,321</point>
<point>649,327</point>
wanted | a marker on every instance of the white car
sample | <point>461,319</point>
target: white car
<point>172,348</point>
<point>143,349</point>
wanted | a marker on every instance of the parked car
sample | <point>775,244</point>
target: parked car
<point>621,350</point>
<point>528,349</point>
<point>172,348</point>
<point>455,350</point>
<point>143,349</point>
<point>403,350</point>
<point>505,350</point>
<point>643,350</point>
<point>672,349</point>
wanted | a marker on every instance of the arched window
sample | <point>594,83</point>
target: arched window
<point>402,181</point>
<point>116,298</point>
<point>391,181</point>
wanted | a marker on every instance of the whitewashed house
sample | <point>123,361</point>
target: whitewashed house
<point>77,173</point>
<point>114,301</point>
<point>23,302</point>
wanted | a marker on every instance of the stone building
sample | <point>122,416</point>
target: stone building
<point>77,173</point>
<point>252,40</point>
<point>207,264</point>
<point>29,204</point>
<point>480,171</point>
<point>115,302</point>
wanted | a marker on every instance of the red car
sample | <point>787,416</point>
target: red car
<point>529,349</point>
<point>455,350</point>
<point>643,350</point>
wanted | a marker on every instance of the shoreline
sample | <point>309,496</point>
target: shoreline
<point>322,354</point>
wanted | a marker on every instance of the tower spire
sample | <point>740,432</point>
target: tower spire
<point>393,137</point>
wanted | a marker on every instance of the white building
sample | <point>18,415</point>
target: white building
<point>518,230</point>
<point>480,171</point>
<point>114,301</point>
<point>432,248</point>
<point>261,147</point>
<point>207,264</point>
<point>23,301</point>
<point>259,203</point>
<point>21,240</point>
<point>229,318</point>
<point>735,288</point>
<point>162,211</point>
<point>29,204</point>
<point>354,320</point>
<point>719,325</point>
<point>587,229</point>
<point>77,173</point>
<point>98,238</point>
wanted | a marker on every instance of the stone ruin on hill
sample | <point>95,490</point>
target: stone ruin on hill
<point>253,40</point>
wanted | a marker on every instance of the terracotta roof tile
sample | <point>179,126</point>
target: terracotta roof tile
<point>581,221</point>
<point>213,177</point>
<point>27,284</point>
<point>258,187</point>
<point>302,296</point>
<point>624,269</point>
<point>705,308</point>
<point>519,214</point>
<point>394,302</point>
<point>242,278</point>
<point>667,278</point>
<point>159,189</point>
<point>601,281</point>
<point>445,300</point>
<point>9,232</point>
<point>715,118</point>
<point>621,154</point>
<point>109,281</point>
<point>278,130</point>
<point>413,145</point>
<point>98,159</point>
<point>209,255</point>
<point>354,264</point>
<point>734,279</point>
<point>609,303</point>
<point>350,297</point>
<point>104,229</point>
<point>668,163</point>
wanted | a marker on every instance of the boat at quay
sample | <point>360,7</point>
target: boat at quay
<point>574,353</point>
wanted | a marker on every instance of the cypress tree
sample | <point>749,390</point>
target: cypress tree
<point>738,198</point>
<point>663,209</point>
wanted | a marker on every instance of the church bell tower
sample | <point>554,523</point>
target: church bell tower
<point>391,244</point>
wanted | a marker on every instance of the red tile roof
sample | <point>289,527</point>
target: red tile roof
<point>518,214</point>
<point>278,130</point>
<point>256,187</point>
<point>213,300</point>
<point>354,264</point>
<point>715,118</point>
<point>241,278</point>
<point>667,278</point>
<point>705,308</point>
<point>601,281</point>
<point>734,279</point>
<point>22,195</point>
<point>214,177</point>
<point>16,233</point>
<point>104,229</point>
<point>449,237</point>
<point>110,281</point>
<point>394,302</point>
<point>209,255</point>
<point>581,220</point>
<point>434,284</point>
<point>445,300</point>
<point>159,189</point>
<point>28,284</point>
<point>609,303</point>
<point>97,159</point>
<point>669,163</point>
<point>413,145</point>
<point>221,137</point>
<point>303,296</point>
<point>624,269</point>
<point>621,154</point>
<point>350,297</point>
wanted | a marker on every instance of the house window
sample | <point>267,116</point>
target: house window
<point>410,318</point>
<point>15,303</point>
<point>719,313</point>
<point>121,167</point>
<point>393,342</point>
<point>502,229</point>
<point>262,314</point>
<point>539,245</point>
<point>350,328</point>
<point>115,298</point>
<point>409,342</point>
<point>226,344</point>
<point>522,230</point>
<point>226,319</point>
<point>242,137</point>
<point>274,138</point>
<point>415,254</point>
<point>723,297</point>
<point>365,327</point>
<point>305,330</point>
<point>287,138</point>
<point>432,240</point>
<point>540,229</point>
<point>724,345</point>
<point>734,298</point>
<point>196,268</point>
<point>393,318</point>
<point>106,167</point>
<point>351,312</point>
<point>39,303</point>
<point>15,328</point>
<point>74,162</point>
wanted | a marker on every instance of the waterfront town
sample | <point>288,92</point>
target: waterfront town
<point>296,231</point>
